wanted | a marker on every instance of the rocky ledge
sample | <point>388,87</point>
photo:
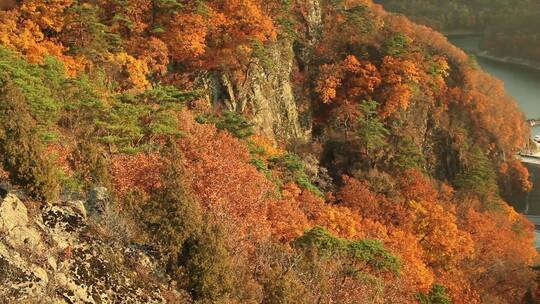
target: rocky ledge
<point>53,254</point>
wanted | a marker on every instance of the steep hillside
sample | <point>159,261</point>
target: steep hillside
<point>282,151</point>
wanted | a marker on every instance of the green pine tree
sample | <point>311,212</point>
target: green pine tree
<point>478,175</point>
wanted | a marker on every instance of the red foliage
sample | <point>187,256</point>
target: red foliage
<point>357,196</point>
<point>417,186</point>
<point>142,172</point>
<point>285,216</point>
<point>223,181</point>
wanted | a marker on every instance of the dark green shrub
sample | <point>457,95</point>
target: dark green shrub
<point>437,295</point>
<point>232,122</point>
<point>397,45</point>
<point>236,124</point>
<point>171,216</point>
<point>209,268</point>
<point>369,252</point>
<point>163,94</point>
<point>40,86</point>
<point>371,131</point>
<point>408,155</point>
<point>193,248</point>
<point>135,123</point>
<point>294,169</point>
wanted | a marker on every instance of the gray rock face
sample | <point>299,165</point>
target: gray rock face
<point>268,92</point>
<point>266,95</point>
<point>98,199</point>
<point>55,256</point>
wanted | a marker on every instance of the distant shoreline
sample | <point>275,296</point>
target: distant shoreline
<point>462,33</point>
<point>488,55</point>
<point>510,60</point>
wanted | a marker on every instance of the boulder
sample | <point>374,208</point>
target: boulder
<point>15,226</point>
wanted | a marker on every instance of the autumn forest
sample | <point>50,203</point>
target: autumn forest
<point>277,151</point>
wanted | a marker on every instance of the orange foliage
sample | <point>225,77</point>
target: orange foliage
<point>349,223</point>
<point>285,216</point>
<point>353,77</point>
<point>417,186</point>
<point>478,254</point>
<point>357,196</point>
<point>424,230</point>
<point>445,245</point>
<point>187,37</point>
<point>504,248</point>
<point>47,15</point>
<point>27,28</point>
<point>219,36</point>
<point>416,275</point>
<point>398,76</point>
<point>514,178</point>
<point>153,51</point>
<point>270,149</point>
<point>484,99</point>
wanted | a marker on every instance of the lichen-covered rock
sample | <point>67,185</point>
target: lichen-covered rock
<point>55,256</point>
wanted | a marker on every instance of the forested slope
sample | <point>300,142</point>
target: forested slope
<point>281,151</point>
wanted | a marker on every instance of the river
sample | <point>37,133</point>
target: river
<point>521,82</point>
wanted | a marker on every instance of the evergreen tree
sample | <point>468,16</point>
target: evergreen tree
<point>408,155</point>
<point>172,216</point>
<point>196,255</point>
<point>478,175</point>
<point>22,151</point>
<point>371,132</point>
<point>208,265</point>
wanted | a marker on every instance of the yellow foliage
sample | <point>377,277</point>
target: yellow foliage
<point>22,31</point>
<point>135,69</point>
<point>46,14</point>
<point>270,149</point>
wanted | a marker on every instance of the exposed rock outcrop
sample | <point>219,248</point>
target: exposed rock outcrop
<point>54,255</point>
<point>265,94</point>
<point>268,92</point>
